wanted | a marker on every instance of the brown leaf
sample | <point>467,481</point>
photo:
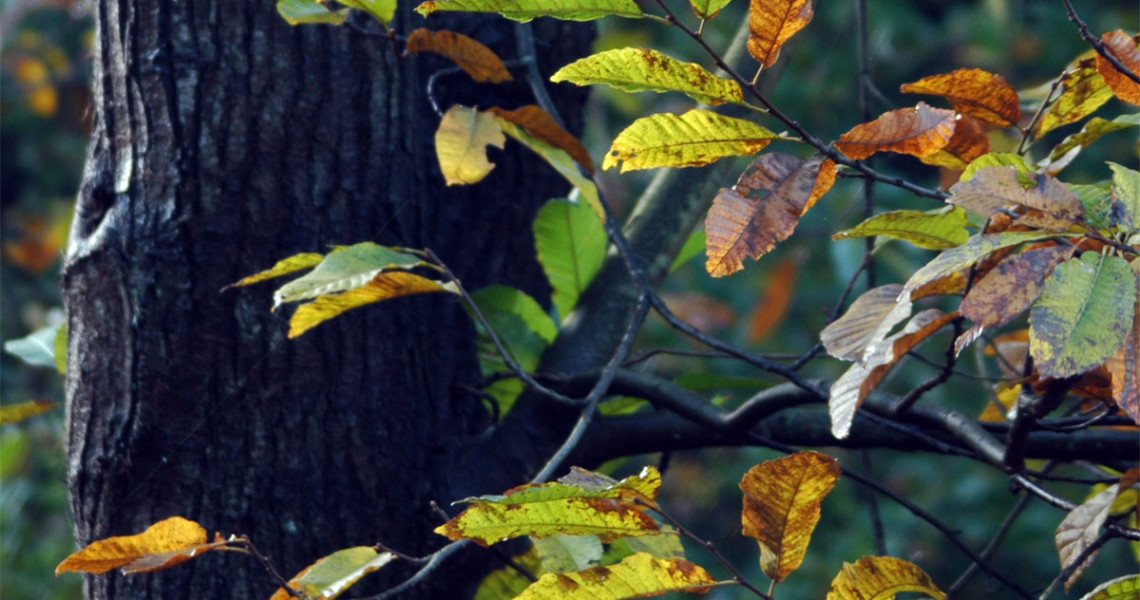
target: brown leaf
<point>477,60</point>
<point>1125,366</point>
<point>968,142</point>
<point>164,544</point>
<point>773,305</point>
<point>771,23</point>
<point>973,92</point>
<point>1123,47</point>
<point>867,321</point>
<point>538,123</point>
<point>1080,528</point>
<point>916,131</point>
<point>762,209</point>
<point>1011,286</point>
<point>781,507</point>
<point>1047,203</point>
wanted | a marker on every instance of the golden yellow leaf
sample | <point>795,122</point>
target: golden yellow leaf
<point>697,137</point>
<point>880,578</point>
<point>644,69</point>
<point>968,143</point>
<point>1083,90</point>
<point>285,266</point>
<point>771,23</point>
<point>14,413</point>
<point>1123,47</point>
<point>973,92</point>
<point>781,507</point>
<point>539,124</point>
<point>164,544</point>
<point>384,286</point>
<point>637,575</point>
<point>461,141</point>
<point>916,131</point>
<point>477,60</point>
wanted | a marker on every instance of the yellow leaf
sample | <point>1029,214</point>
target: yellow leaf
<point>1083,90</point>
<point>781,507</point>
<point>477,60</point>
<point>14,413</point>
<point>973,92</point>
<point>525,10</point>
<point>1123,47</point>
<point>771,23</point>
<point>461,141</point>
<point>968,143</point>
<point>331,575</point>
<point>695,138</point>
<point>164,544</point>
<point>916,131</point>
<point>642,69</point>
<point>635,576</point>
<point>1126,587</point>
<point>880,578</point>
<point>384,286</point>
<point>292,264</point>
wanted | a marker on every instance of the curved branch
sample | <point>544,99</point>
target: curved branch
<point>1096,43</point>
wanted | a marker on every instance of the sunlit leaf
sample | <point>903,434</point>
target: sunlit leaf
<point>1083,90</point>
<point>1126,587</point>
<point>382,10</point>
<point>636,576</point>
<point>331,575</point>
<point>344,268</point>
<point>707,9</point>
<point>1052,205</point>
<point>1011,286</point>
<point>1092,131</point>
<point>762,209</point>
<point>560,553</point>
<point>1126,193</point>
<point>695,138</point>
<point>562,162</point>
<point>881,578</point>
<point>571,245</point>
<point>525,10</point>
<point>1123,47</point>
<point>307,12</point>
<point>164,544</point>
<point>461,144</point>
<point>968,143</point>
<point>916,131</point>
<point>772,23</point>
<point>643,69</point>
<point>772,306</point>
<point>1080,528</point>
<point>507,582</point>
<point>297,262</point>
<point>867,321</point>
<point>384,286</point>
<point>973,92</point>
<point>14,413</point>
<point>781,507</point>
<point>996,159</point>
<point>540,125</point>
<point>36,348</point>
<point>477,60</point>
<point>1083,315</point>
<point>933,230</point>
<point>975,248</point>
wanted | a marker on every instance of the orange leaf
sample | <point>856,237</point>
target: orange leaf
<point>1011,286</point>
<point>916,131</point>
<point>771,308</point>
<point>1125,366</point>
<point>781,507</point>
<point>973,92</point>
<point>164,544</point>
<point>968,142</point>
<point>14,413</point>
<point>538,123</point>
<point>761,209</point>
<point>477,60</point>
<point>1123,47</point>
<point>773,22</point>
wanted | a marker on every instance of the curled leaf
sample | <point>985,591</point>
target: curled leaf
<point>540,125</point>
<point>164,544</point>
<point>344,268</point>
<point>880,578</point>
<point>697,137</point>
<point>476,59</point>
<point>297,262</point>
<point>1123,47</point>
<point>1080,528</point>
<point>772,23</point>
<point>917,131</point>
<point>461,144</point>
<point>973,92</point>
<point>867,321</point>
<point>384,286</point>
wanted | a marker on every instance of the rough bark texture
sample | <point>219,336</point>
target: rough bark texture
<point>225,140</point>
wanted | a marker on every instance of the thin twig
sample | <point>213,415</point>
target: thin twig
<point>1078,562</point>
<point>988,551</point>
<point>1097,44</point>
<point>265,562</point>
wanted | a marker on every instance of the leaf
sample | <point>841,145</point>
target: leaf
<point>881,578</point>
<point>1123,47</point>
<point>297,262</point>
<point>933,230</point>
<point>762,209</point>
<point>36,348</point>
<point>772,23</point>
<point>383,10</point>
<point>522,325</point>
<point>665,545</point>
<point>560,553</point>
<point>384,286</point>
<point>525,10</point>
<point>562,162</point>
<point>1080,528</point>
<point>1126,193</point>
<point>968,143</point>
<point>1052,205</point>
<point>643,69</point>
<point>695,138</point>
<point>975,248</point>
<point>540,125</point>
<point>507,582</point>
<point>331,575</point>
<point>1124,368</point>
<point>14,413</point>
<point>164,544</point>
<point>461,141</point>
<point>694,245</point>
<point>773,305</point>
<point>571,246</point>
<point>477,60</point>
<point>1083,315</point>
<point>1083,90</point>
<point>974,92</point>
<point>781,507</point>
<point>707,9</point>
<point>1126,587</point>
<point>916,131</point>
<point>1101,212</point>
<point>636,576</point>
<point>307,12</point>
<point>344,268</point>
<point>1092,131</point>
<point>867,321</point>
<point>995,159</point>
<point>1011,286</point>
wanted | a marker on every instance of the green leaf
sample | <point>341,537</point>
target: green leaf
<point>1083,315</point>
<point>1092,131</point>
<point>507,582</point>
<point>294,263</point>
<point>344,268</point>
<point>307,12</point>
<point>665,545</point>
<point>694,245</point>
<point>1126,192</point>
<point>571,245</point>
<point>59,347</point>
<point>384,286</point>
<point>642,69</point>
<point>560,553</point>
<point>1097,200</point>
<point>37,348</point>
<point>1121,588</point>
<point>525,10</point>
<point>975,248</point>
<point>383,10</point>
<point>933,230</point>
<point>695,138</point>
<point>331,575</point>
<point>562,162</point>
<point>707,9</point>
<point>996,159</point>
<point>636,576</point>
<point>522,325</point>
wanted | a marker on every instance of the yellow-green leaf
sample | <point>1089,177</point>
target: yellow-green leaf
<point>771,23</point>
<point>297,262</point>
<point>14,413</point>
<point>331,575</point>
<point>477,60</point>
<point>1083,315</point>
<point>571,246</point>
<point>343,269</point>
<point>996,159</point>
<point>1092,131</point>
<point>781,507</point>
<point>975,248</point>
<point>1126,587</point>
<point>1083,90</point>
<point>382,10</point>
<point>881,578</point>
<point>306,12</point>
<point>522,326</point>
<point>636,576</point>
<point>507,582</point>
<point>461,144</point>
<point>707,9</point>
<point>164,544</point>
<point>642,69</point>
<point>1126,192</point>
<point>525,10</point>
<point>562,161</point>
<point>695,138</point>
<point>384,286</point>
<point>933,230</point>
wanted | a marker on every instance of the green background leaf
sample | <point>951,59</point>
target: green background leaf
<point>571,245</point>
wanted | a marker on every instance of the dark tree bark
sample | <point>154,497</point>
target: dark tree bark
<point>226,140</point>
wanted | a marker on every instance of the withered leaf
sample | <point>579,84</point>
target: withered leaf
<point>1080,528</point>
<point>772,23</point>
<point>539,124</point>
<point>867,321</point>
<point>476,59</point>
<point>916,131</point>
<point>969,142</point>
<point>1123,47</point>
<point>1011,287</point>
<point>1125,366</point>
<point>1050,204</point>
<point>973,92</point>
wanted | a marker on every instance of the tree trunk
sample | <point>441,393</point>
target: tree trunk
<point>224,141</point>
